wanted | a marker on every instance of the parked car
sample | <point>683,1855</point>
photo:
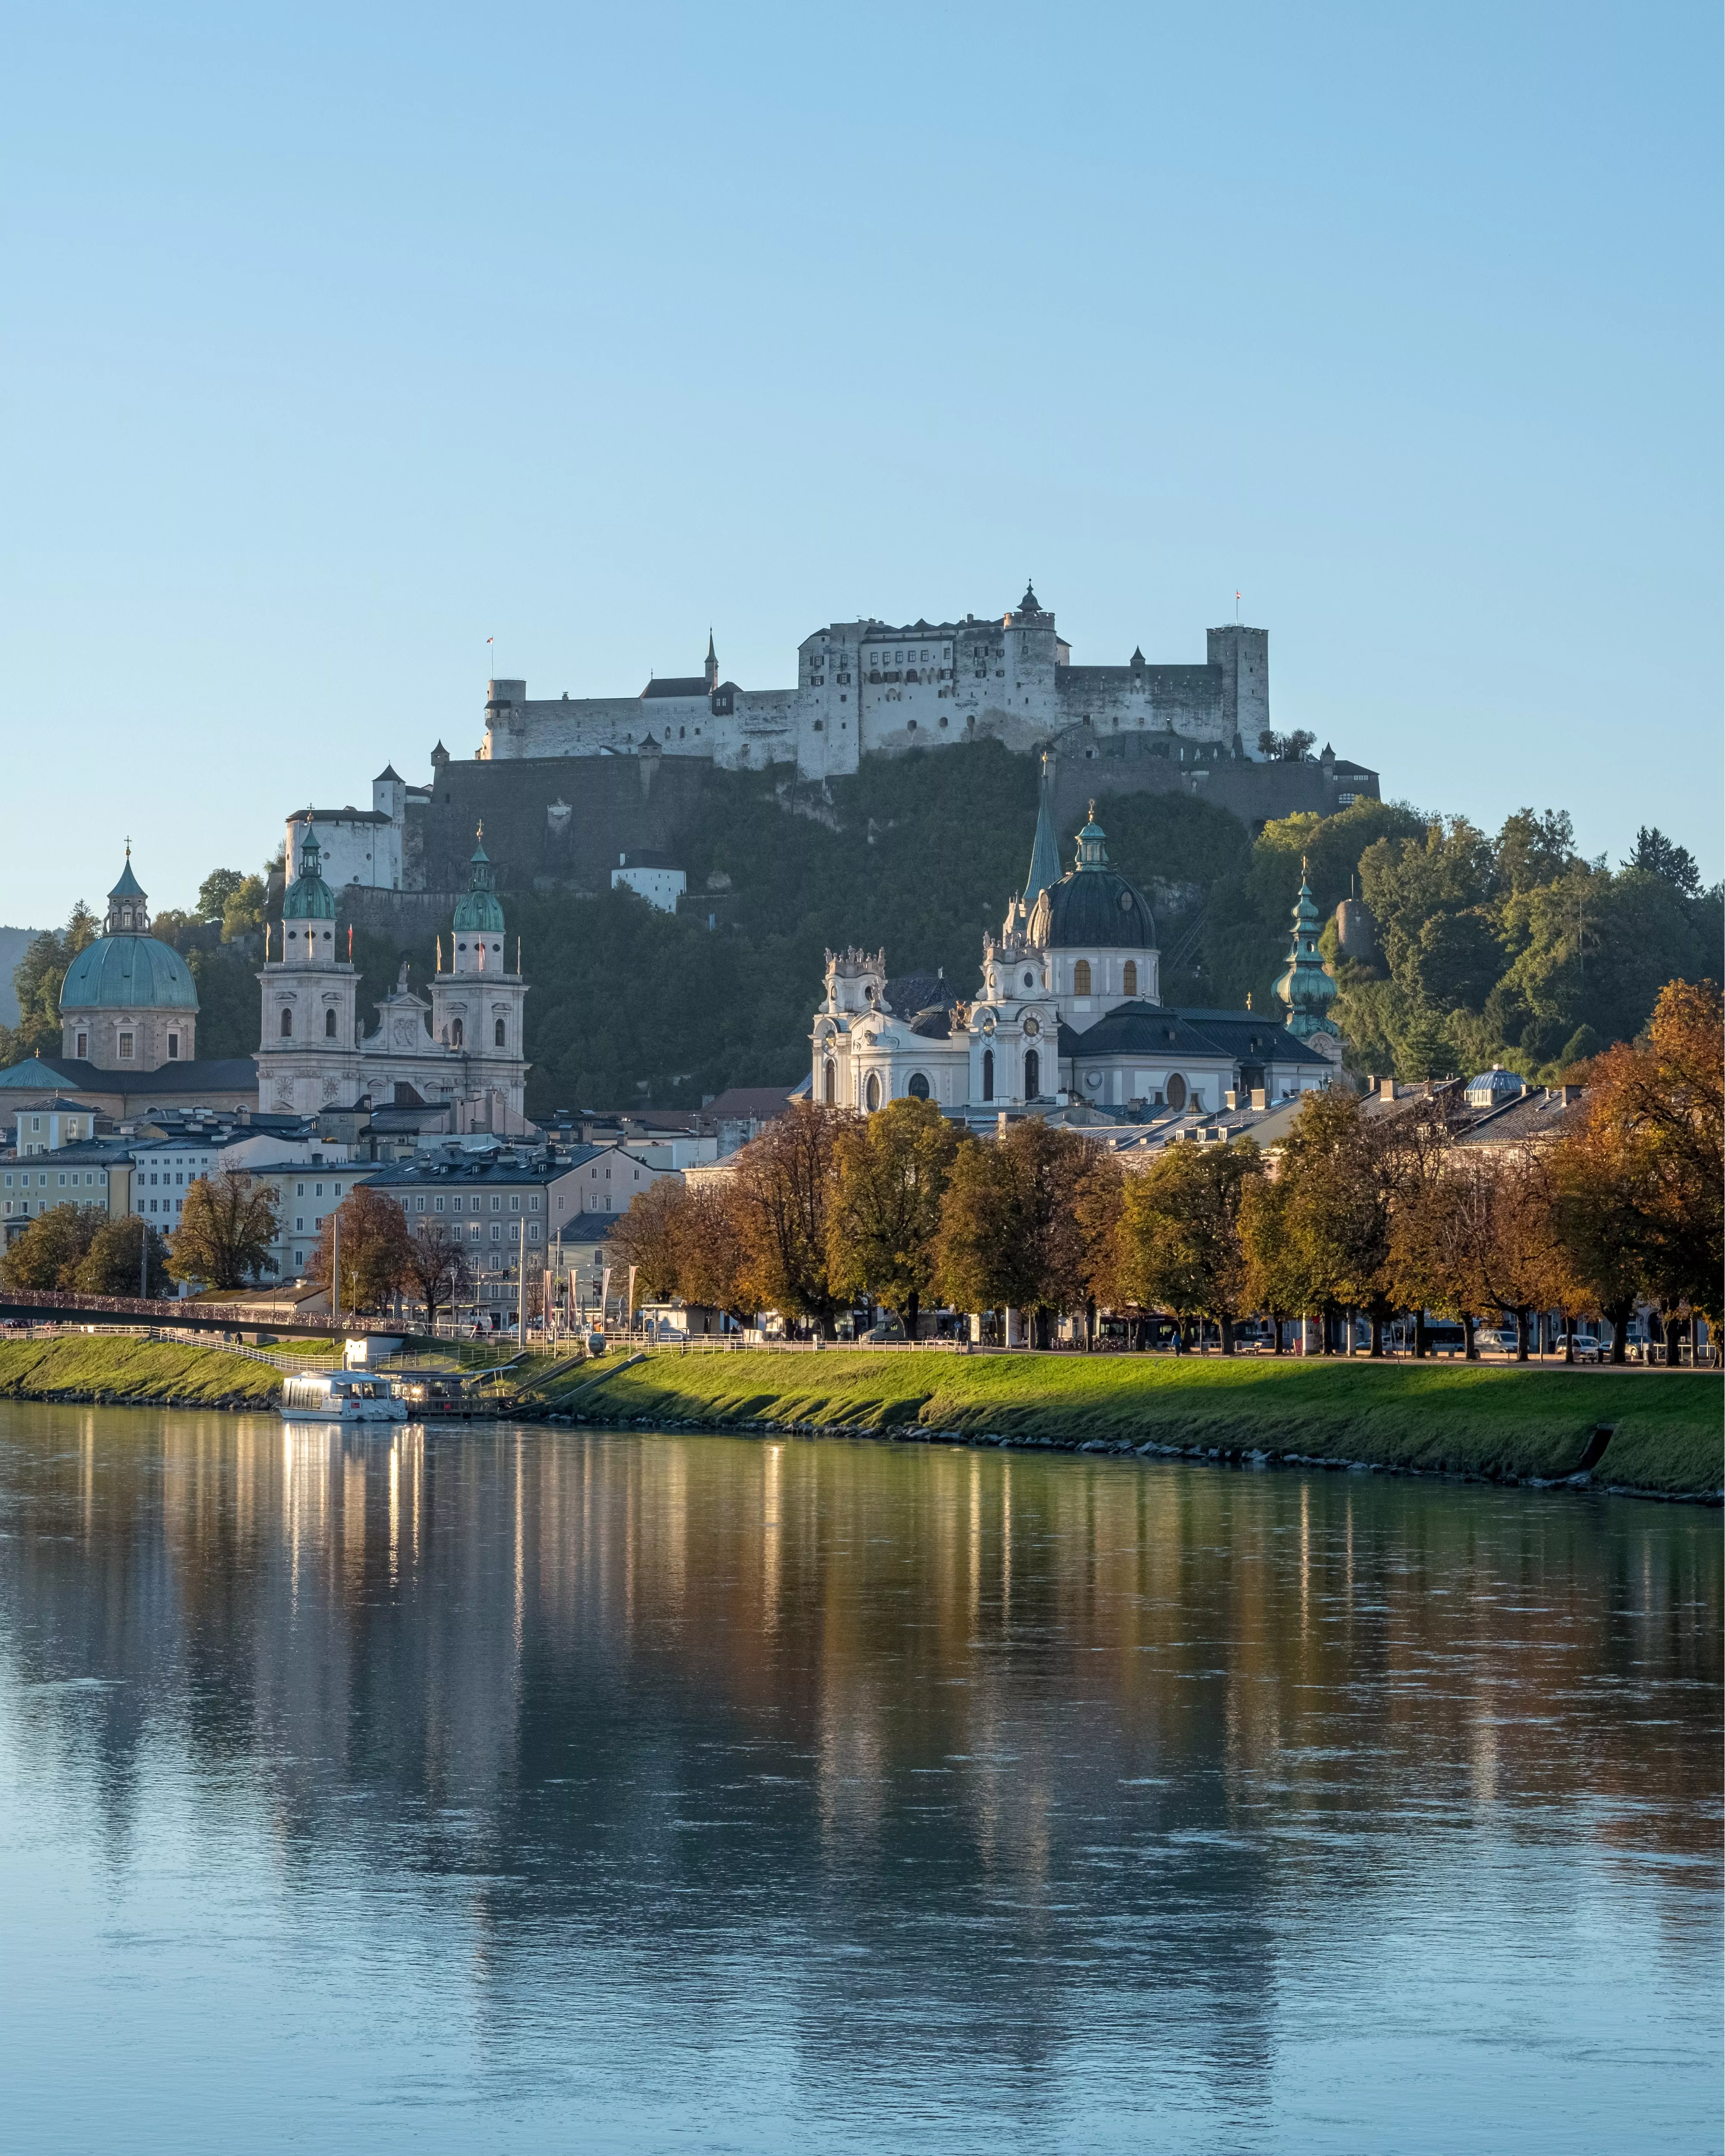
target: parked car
<point>1495,1339</point>
<point>1586,1348</point>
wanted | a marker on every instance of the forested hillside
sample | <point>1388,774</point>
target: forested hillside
<point>1510,948</point>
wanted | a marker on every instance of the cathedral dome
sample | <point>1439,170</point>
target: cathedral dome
<point>126,968</point>
<point>1093,906</point>
<point>128,973</point>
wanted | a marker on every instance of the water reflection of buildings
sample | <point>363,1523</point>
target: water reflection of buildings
<point>1009,1730</point>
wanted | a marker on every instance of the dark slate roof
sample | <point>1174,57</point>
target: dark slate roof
<point>389,771</point>
<point>347,815</point>
<point>677,684</point>
<point>1249,1038</point>
<point>760,1102</point>
<point>1538,1115</point>
<point>935,1024</point>
<point>1093,909</point>
<point>908,993</point>
<point>236,1074</point>
<point>1141,1028</point>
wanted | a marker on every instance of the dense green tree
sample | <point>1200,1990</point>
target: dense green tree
<point>892,1170</point>
<point>1655,855</point>
<point>226,1231</point>
<point>1181,1245</point>
<point>36,981</point>
<point>51,1248</point>
<point>113,1264</point>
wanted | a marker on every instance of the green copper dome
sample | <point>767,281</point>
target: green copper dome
<point>308,898</point>
<point>1306,986</point>
<point>126,968</point>
<point>480,910</point>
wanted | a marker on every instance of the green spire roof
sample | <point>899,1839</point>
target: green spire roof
<point>1045,852</point>
<point>480,910</point>
<point>128,886</point>
<point>310,898</point>
<point>1306,986</point>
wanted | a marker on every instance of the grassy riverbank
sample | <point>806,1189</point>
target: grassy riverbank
<point>122,1371</point>
<point>1435,1418</point>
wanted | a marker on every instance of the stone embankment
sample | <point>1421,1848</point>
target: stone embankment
<point>1651,1433</point>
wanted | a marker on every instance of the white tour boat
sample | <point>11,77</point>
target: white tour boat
<point>341,1396</point>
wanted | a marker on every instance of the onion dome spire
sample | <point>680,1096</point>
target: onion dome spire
<point>1306,986</point>
<point>309,897</point>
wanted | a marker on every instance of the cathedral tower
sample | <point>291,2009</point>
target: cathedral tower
<point>477,1005</point>
<point>308,1055</point>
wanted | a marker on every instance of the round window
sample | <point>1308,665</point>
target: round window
<point>1093,1078</point>
<point>1029,980</point>
<point>1126,902</point>
<point>1176,1089</point>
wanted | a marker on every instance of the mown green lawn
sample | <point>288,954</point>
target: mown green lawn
<point>1442,1417</point>
<point>132,1371</point>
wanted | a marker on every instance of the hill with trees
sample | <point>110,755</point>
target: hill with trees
<point>1510,948</point>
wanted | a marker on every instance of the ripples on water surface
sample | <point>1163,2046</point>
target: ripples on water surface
<point>532,1788</point>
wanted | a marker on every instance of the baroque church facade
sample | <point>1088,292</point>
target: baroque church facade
<point>1068,1011</point>
<point>461,1049</point>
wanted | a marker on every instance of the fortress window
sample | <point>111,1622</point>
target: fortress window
<point>1129,977</point>
<point>1080,977</point>
<point>329,1028</point>
<point>287,1024</point>
<point>500,1035</point>
<point>913,727</point>
<point>816,726</point>
<point>943,718</point>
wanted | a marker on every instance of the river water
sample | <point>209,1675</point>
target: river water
<point>499,1789</point>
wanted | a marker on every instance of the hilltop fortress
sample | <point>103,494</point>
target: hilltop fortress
<point>866,687</point>
<point>569,788</point>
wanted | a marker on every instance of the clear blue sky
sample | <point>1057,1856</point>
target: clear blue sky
<point>342,338</point>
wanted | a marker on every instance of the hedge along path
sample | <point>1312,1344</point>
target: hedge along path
<point>125,1372</point>
<point>1434,1417</point>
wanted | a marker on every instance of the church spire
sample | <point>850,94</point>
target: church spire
<point>711,669</point>
<point>1306,986</point>
<point>1045,852</point>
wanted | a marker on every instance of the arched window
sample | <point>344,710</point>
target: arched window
<point>988,1074</point>
<point>456,1033</point>
<point>1033,1071</point>
<point>287,1024</point>
<point>918,1087</point>
<point>829,1083</point>
<point>499,1034</point>
<point>1176,1089</point>
<point>1129,977</point>
<point>871,1092</point>
<point>1080,977</point>
<point>329,1026</point>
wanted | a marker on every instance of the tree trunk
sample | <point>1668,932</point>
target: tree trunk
<point>1472,1351</point>
<point>1226,1324</point>
<point>1377,1346</point>
<point>1618,1316</point>
<point>1521,1318</point>
<point>913,1305</point>
<point>1422,1338</point>
<point>1275,1333</point>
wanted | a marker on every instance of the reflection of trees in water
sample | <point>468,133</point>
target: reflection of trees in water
<point>996,1733</point>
